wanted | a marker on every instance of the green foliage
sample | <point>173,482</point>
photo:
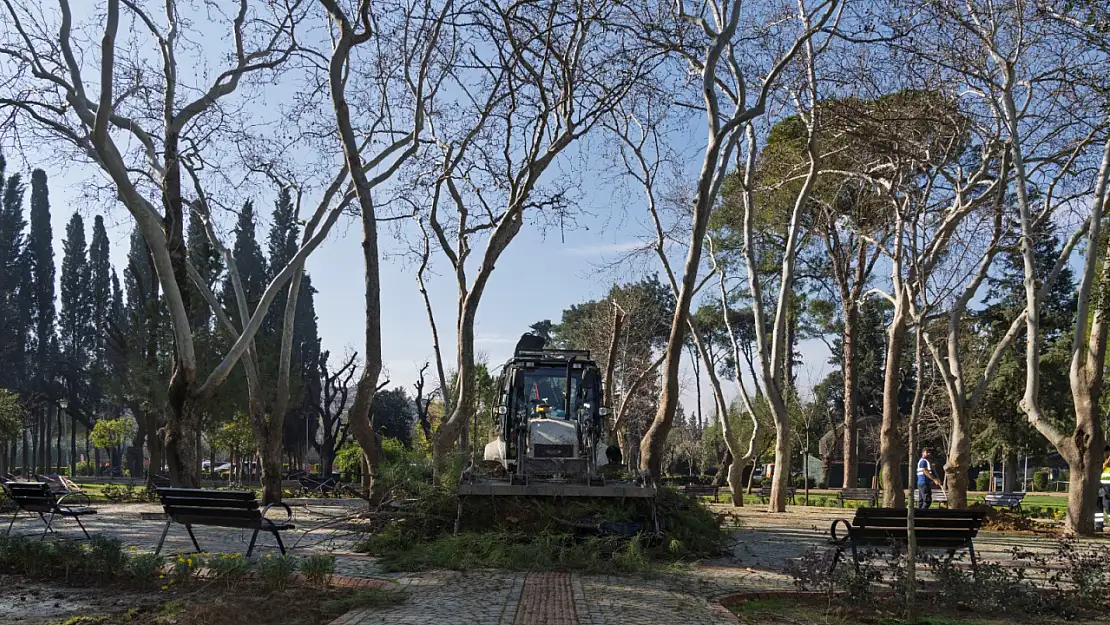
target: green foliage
<point>276,571</point>
<point>12,414</point>
<point>394,415</point>
<point>236,435</point>
<point>106,556</point>
<point>101,558</point>
<point>348,460</point>
<point>232,568</point>
<point>144,568</point>
<point>318,569</point>
<point>983,481</point>
<point>185,567</point>
<point>112,433</point>
<point>532,534</point>
<point>1040,481</point>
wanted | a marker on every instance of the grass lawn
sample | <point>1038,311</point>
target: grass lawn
<point>1040,504</point>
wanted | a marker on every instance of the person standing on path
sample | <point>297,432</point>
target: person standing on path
<point>925,480</point>
<point>1103,508</point>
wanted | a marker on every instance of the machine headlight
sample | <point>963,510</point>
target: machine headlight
<point>603,411</point>
<point>502,410</point>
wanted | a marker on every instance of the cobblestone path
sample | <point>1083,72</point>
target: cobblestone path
<point>764,544</point>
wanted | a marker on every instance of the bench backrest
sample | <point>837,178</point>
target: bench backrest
<point>33,496</point>
<point>698,488</point>
<point>932,519</point>
<point>222,508</point>
<point>859,493</point>
<point>934,528</point>
<point>1004,498</point>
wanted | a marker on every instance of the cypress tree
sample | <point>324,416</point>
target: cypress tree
<point>100,269</point>
<point>203,255</point>
<point>40,284</point>
<point>13,317</point>
<point>250,262</point>
<point>282,246</point>
<point>76,322</point>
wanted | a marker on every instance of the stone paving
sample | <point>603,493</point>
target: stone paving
<point>764,544</point>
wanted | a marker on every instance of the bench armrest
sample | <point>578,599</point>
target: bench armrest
<point>832,531</point>
<point>288,512</point>
<point>64,500</point>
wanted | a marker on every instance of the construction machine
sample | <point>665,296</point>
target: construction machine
<point>550,423</point>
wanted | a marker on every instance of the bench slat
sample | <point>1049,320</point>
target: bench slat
<point>192,502</point>
<point>936,513</point>
<point>229,513</point>
<point>216,521</point>
<point>921,523</point>
<point>201,493</point>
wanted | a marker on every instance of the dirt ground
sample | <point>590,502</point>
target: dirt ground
<point>820,612</point>
<point>30,602</point>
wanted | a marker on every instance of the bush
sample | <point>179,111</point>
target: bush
<point>318,569</point>
<point>276,570</point>
<point>1040,481</point>
<point>185,568</point>
<point>983,481</point>
<point>230,567</point>
<point>144,568</point>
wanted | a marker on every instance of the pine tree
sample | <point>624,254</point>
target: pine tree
<point>250,263</point>
<point>40,284</point>
<point>76,340</point>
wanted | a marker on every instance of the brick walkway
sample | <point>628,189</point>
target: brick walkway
<point>547,599</point>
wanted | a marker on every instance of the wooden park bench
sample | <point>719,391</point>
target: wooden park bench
<point>950,530</point>
<point>39,498</point>
<point>765,491</point>
<point>699,490</point>
<point>1004,500</point>
<point>219,508</point>
<point>859,494</point>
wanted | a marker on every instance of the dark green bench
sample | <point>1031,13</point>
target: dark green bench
<point>219,508</point>
<point>950,530</point>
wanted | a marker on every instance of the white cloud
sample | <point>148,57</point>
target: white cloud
<point>495,339</point>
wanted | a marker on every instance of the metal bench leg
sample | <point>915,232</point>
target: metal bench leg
<point>281,545</point>
<point>458,517</point>
<point>835,561</point>
<point>8,533</point>
<point>161,540</point>
<point>189,528</point>
<point>855,557</point>
<point>974,563</point>
<point>82,526</point>
<point>250,548</point>
<point>48,528</point>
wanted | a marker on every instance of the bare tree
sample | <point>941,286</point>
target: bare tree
<point>534,78</point>
<point>423,403</point>
<point>115,128</point>
<point>705,39</point>
<point>1034,102</point>
<point>404,40</point>
<point>333,403</point>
